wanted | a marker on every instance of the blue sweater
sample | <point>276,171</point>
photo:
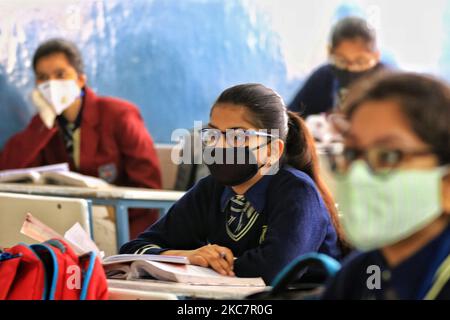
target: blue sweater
<point>319,91</point>
<point>292,220</point>
<point>410,280</point>
<point>317,94</point>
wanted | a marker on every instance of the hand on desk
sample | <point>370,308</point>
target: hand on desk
<point>219,258</point>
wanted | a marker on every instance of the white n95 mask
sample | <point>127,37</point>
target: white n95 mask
<point>379,210</point>
<point>60,94</point>
<point>44,109</point>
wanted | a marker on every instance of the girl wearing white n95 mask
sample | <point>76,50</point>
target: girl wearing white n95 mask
<point>393,182</point>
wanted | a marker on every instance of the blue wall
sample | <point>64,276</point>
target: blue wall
<point>171,58</point>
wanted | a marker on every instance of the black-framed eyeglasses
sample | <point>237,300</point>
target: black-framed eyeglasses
<point>233,137</point>
<point>379,160</point>
<point>359,65</point>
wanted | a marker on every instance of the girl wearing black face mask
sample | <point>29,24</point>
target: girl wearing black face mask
<point>263,204</point>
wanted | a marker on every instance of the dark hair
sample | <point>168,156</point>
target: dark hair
<point>66,47</point>
<point>268,111</point>
<point>424,101</point>
<point>352,28</point>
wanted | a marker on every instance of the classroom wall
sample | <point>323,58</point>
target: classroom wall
<point>173,57</point>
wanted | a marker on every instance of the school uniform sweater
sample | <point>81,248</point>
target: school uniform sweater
<point>319,92</point>
<point>410,280</point>
<point>287,218</point>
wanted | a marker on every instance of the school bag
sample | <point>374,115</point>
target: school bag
<point>303,279</point>
<point>50,271</point>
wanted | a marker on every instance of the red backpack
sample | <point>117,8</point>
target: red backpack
<point>50,271</point>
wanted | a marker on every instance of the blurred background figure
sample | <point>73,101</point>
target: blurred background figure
<point>352,53</point>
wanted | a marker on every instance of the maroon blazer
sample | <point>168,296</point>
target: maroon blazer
<point>114,144</point>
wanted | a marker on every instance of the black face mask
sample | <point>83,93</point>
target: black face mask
<point>241,167</point>
<point>345,78</point>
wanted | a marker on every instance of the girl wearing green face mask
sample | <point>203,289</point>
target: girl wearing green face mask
<point>393,182</point>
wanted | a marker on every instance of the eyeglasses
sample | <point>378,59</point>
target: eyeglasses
<point>379,160</point>
<point>233,137</point>
<point>358,66</point>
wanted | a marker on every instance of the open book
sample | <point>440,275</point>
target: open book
<point>51,174</point>
<point>170,268</point>
<point>119,266</point>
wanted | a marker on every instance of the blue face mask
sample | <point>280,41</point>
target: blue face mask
<point>380,210</point>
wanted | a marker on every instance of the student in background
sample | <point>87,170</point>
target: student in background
<point>98,136</point>
<point>240,210</point>
<point>394,190</point>
<point>353,54</point>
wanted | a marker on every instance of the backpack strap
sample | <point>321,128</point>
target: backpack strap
<point>442,277</point>
<point>291,272</point>
<point>48,257</point>
<point>69,275</point>
<point>87,274</point>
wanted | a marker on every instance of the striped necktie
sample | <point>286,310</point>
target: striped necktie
<point>240,217</point>
<point>68,138</point>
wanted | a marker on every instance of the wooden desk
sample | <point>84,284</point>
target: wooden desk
<point>142,289</point>
<point>120,198</point>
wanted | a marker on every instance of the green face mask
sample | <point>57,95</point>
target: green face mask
<point>378,210</point>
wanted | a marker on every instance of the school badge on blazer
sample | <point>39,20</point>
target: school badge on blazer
<point>108,172</point>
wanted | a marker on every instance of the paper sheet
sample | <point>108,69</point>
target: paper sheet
<point>76,237</point>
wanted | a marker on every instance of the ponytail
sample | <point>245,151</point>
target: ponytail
<point>300,148</point>
<point>301,154</point>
